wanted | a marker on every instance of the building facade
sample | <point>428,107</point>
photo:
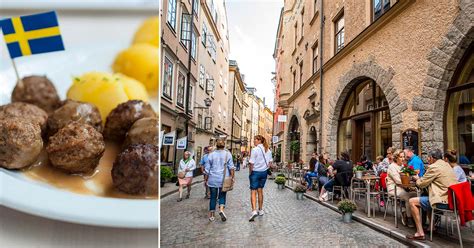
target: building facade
<point>236,105</point>
<point>393,74</point>
<point>193,102</point>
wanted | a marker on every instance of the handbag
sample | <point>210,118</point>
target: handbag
<point>269,171</point>
<point>181,175</point>
<point>227,182</point>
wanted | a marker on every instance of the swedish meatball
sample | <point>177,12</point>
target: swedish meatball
<point>74,111</point>
<point>25,111</point>
<point>20,143</point>
<point>135,170</point>
<point>143,131</point>
<point>37,90</point>
<point>76,148</point>
<point>123,116</point>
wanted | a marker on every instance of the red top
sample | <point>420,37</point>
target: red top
<point>464,200</point>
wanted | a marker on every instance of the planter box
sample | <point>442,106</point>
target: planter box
<point>281,186</point>
<point>347,217</point>
<point>359,174</point>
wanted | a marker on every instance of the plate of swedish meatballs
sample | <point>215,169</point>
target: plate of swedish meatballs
<point>79,134</point>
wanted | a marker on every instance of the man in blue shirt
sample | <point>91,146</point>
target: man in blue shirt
<point>415,161</point>
<point>203,162</point>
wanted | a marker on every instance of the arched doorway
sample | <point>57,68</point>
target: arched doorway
<point>364,125</point>
<point>294,141</point>
<point>459,117</point>
<point>312,141</point>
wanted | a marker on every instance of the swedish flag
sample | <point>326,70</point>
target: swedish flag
<point>32,34</point>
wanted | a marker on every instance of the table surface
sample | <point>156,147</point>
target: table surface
<point>23,230</point>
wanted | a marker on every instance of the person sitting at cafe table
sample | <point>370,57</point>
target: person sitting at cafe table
<point>414,161</point>
<point>322,172</point>
<point>312,172</point>
<point>451,158</point>
<point>341,169</point>
<point>393,179</point>
<point>437,178</point>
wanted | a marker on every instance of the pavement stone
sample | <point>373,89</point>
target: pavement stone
<point>287,222</point>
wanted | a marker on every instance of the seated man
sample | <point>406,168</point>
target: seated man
<point>438,177</point>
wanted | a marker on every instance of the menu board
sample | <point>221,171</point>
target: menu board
<point>411,139</point>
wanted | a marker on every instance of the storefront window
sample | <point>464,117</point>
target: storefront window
<point>460,113</point>
<point>365,123</point>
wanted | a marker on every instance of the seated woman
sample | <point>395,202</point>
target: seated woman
<point>341,167</point>
<point>322,172</point>
<point>451,158</point>
<point>393,178</point>
<point>312,172</point>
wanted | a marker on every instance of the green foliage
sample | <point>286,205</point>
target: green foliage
<point>280,180</point>
<point>281,175</point>
<point>165,172</point>
<point>359,168</point>
<point>295,146</point>
<point>299,188</point>
<point>347,206</point>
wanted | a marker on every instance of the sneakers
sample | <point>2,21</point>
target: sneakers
<point>254,214</point>
<point>187,196</point>
<point>223,216</point>
<point>324,197</point>
<point>180,199</point>
<point>212,219</point>
<point>260,212</point>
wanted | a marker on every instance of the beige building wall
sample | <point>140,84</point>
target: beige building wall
<point>396,49</point>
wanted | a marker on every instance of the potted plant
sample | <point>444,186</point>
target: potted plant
<point>165,174</point>
<point>347,207</point>
<point>280,181</point>
<point>406,172</point>
<point>359,170</point>
<point>300,189</point>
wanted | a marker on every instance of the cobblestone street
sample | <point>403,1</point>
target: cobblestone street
<point>287,222</point>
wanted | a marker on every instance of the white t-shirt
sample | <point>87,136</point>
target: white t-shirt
<point>258,160</point>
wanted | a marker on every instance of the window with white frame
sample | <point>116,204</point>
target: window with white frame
<point>202,77</point>
<point>196,8</point>
<point>185,29</point>
<point>315,58</point>
<point>191,99</point>
<point>167,78</point>
<point>180,90</point>
<point>225,85</point>
<point>194,44</point>
<point>339,27</point>
<point>171,18</point>
<point>204,34</point>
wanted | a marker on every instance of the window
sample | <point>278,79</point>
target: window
<point>340,33</point>
<point>459,119</point>
<point>185,29</point>
<point>301,73</point>
<point>212,47</point>
<point>315,58</point>
<point>302,24</point>
<point>220,78</point>
<point>196,8</point>
<point>180,91</point>
<point>294,82</point>
<point>193,44</point>
<point>296,34</point>
<point>224,115</point>
<point>315,7</point>
<point>204,34</point>
<point>225,85</point>
<point>379,8</point>
<point>199,121</point>
<point>220,110</point>
<point>167,78</point>
<point>171,19</point>
<point>202,78</point>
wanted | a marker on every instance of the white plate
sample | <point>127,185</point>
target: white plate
<point>41,199</point>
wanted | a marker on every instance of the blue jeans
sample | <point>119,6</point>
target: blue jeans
<point>426,205</point>
<point>308,177</point>
<point>329,185</point>
<point>323,180</point>
<point>213,200</point>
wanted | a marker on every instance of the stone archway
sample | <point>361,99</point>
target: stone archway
<point>311,141</point>
<point>443,61</point>
<point>290,134</point>
<point>355,75</point>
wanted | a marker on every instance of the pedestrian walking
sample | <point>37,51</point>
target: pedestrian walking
<point>259,164</point>
<point>185,174</point>
<point>237,162</point>
<point>207,150</point>
<point>245,160</point>
<point>219,165</point>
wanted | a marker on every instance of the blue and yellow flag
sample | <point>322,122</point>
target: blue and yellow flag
<point>32,34</point>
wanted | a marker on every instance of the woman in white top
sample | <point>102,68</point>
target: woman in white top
<point>393,178</point>
<point>186,165</point>
<point>260,161</point>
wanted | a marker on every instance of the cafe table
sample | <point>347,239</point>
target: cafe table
<point>367,179</point>
<point>409,187</point>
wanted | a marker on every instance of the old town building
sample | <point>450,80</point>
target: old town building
<point>197,108</point>
<point>365,75</point>
<point>235,103</point>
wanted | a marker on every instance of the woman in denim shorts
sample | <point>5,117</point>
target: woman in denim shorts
<point>260,161</point>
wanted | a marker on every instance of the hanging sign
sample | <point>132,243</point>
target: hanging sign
<point>281,118</point>
<point>275,139</point>
<point>410,139</point>
<point>168,139</point>
<point>181,143</point>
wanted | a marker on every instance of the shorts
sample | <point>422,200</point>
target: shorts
<point>426,205</point>
<point>258,179</point>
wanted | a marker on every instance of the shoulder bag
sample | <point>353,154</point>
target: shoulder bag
<point>182,174</point>
<point>269,171</point>
<point>227,182</point>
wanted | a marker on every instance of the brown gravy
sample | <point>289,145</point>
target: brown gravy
<point>98,183</point>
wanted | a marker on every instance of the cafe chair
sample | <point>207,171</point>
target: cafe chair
<point>390,199</point>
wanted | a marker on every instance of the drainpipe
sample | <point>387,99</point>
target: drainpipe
<point>188,82</point>
<point>321,42</point>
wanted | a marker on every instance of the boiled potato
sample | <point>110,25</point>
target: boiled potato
<point>148,32</point>
<point>106,90</point>
<point>140,61</point>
